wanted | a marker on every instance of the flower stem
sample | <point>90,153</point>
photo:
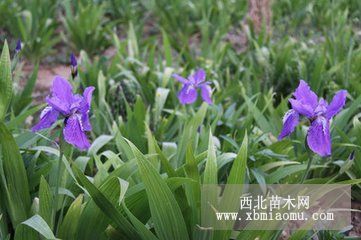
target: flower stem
<point>308,166</point>
<point>58,178</point>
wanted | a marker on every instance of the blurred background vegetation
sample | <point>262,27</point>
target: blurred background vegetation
<point>314,40</point>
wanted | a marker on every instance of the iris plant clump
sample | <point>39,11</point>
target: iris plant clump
<point>73,107</point>
<point>318,112</point>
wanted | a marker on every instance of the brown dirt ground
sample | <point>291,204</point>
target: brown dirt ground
<point>46,74</point>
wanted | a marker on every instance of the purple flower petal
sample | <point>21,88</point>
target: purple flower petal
<point>76,102</point>
<point>305,95</point>
<point>318,136</point>
<point>188,94</point>
<point>88,93</point>
<point>73,133</point>
<point>85,107</point>
<point>198,77</point>
<point>86,122</point>
<point>62,95</point>
<point>59,105</point>
<point>85,100</point>
<point>206,93</point>
<point>73,61</point>
<point>336,104</point>
<point>180,78</point>
<point>47,118</point>
<point>62,89</point>
<point>321,107</point>
<point>290,121</point>
<point>302,109</point>
<point>18,46</point>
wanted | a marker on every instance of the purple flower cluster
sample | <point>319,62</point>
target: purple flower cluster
<point>318,111</point>
<point>73,107</point>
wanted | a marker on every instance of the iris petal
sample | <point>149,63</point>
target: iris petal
<point>305,95</point>
<point>180,78</point>
<point>321,107</point>
<point>58,105</point>
<point>302,109</point>
<point>62,90</point>
<point>86,100</point>
<point>318,136</point>
<point>336,104</point>
<point>74,134</point>
<point>206,93</point>
<point>85,107</point>
<point>198,77</point>
<point>47,118</point>
<point>62,96</point>
<point>188,94</point>
<point>86,126</point>
<point>290,121</point>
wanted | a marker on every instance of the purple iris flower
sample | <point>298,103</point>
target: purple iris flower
<point>188,94</point>
<point>318,111</point>
<point>73,65</point>
<point>73,107</point>
<point>18,46</point>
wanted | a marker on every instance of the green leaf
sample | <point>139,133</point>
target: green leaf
<point>24,99</point>
<point>5,81</point>
<point>4,231</point>
<point>191,166</point>
<point>350,181</point>
<point>193,191</point>
<point>277,175</point>
<point>160,98</point>
<point>101,88</point>
<point>98,143</point>
<point>237,175</point>
<point>13,178</point>
<point>69,226</point>
<point>104,203</point>
<point>342,119</point>
<point>15,122</point>
<point>272,165</point>
<point>123,189</point>
<point>143,231</point>
<point>189,130</point>
<point>24,232</point>
<point>166,214</point>
<point>163,159</point>
<point>133,49</point>
<point>37,223</point>
<point>45,201</point>
<point>258,116</point>
<point>210,172</point>
<point>167,49</point>
<point>238,171</point>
